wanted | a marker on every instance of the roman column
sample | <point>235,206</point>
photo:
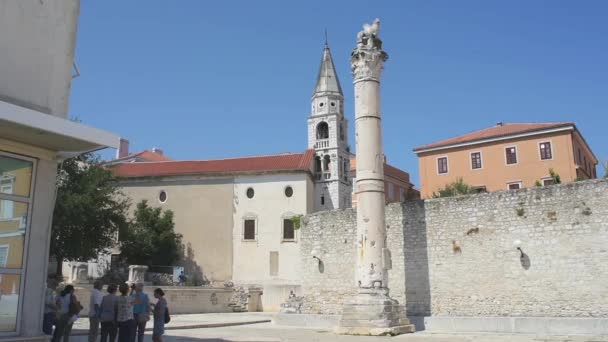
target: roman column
<point>371,311</point>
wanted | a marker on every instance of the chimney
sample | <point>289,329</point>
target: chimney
<point>123,148</point>
<point>500,123</point>
<point>157,150</point>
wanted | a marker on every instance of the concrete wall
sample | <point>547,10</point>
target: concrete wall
<point>495,174</point>
<point>269,207</point>
<point>456,256</point>
<point>203,215</point>
<point>37,55</point>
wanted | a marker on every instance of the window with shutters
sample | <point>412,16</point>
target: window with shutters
<point>511,155</point>
<point>545,150</point>
<point>476,160</point>
<point>442,165</point>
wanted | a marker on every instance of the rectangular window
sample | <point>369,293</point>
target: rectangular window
<point>479,189</point>
<point>511,154</point>
<point>548,181</point>
<point>391,191</point>
<point>442,165</point>
<point>585,164</point>
<point>514,186</point>
<point>249,229</point>
<point>476,160</point>
<point>16,179</point>
<point>545,151</point>
<point>289,232</point>
<point>580,158</point>
<point>274,263</point>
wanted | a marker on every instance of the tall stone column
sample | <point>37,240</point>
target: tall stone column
<point>371,311</point>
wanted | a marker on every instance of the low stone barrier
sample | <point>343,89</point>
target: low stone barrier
<point>188,300</point>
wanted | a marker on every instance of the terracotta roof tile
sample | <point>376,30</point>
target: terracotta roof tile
<point>389,170</point>
<point>145,155</point>
<point>280,162</point>
<point>500,130</point>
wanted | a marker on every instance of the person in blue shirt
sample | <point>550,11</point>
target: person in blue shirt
<point>141,310</point>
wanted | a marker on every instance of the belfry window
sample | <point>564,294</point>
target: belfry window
<point>318,170</point>
<point>322,130</point>
<point>341,132</point>
<point>326,167</point>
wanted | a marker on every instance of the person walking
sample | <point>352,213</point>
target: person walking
<point>141,310</point>
<point>160,312</point>
<point>95,310</point>
<point>68,307</point>
<point>109,309</point>
<point>124,315</point>
<point>50,307</point>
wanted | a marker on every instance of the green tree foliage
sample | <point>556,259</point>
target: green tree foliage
<point>89,211</point>
<point>555,176</point>
<point>456,188</point>
<point>151,239</point>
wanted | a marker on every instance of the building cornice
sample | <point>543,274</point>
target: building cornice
<point>495,139</point>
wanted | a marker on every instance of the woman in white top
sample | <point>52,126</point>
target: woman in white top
<point>124,315</point>
<point>63,328</point>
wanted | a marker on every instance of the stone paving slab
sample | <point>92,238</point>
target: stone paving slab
<point>268,332</point>
<point>193,321</point>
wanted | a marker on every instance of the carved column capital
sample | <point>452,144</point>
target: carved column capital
<point>366,63</point>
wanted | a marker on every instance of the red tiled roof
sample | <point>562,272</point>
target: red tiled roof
<point>501,130</point>
<point>280,162</point>
<point>145,155</point>
<point>389,170</point>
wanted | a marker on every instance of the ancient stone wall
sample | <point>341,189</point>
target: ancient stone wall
<point>456,256</point>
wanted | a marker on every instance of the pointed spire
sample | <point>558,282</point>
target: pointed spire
<point>327,80</point>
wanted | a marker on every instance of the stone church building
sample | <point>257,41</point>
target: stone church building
<point>235,215</point>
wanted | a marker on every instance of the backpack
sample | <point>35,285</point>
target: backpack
<point>167,316</point>
<point>75,307</point>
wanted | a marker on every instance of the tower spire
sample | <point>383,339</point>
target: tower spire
<point>327,80</point>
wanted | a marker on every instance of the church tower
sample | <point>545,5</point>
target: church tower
<point>327,135</point>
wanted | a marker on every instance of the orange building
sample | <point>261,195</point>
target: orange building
<point>507,156</point>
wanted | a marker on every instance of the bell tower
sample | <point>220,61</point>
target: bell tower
<point>327,135</point>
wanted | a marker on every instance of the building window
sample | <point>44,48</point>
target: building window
<point>511,153</point>
<point>318,170</point>
<point>288,191</point>
<point>545,151</point>
<point>289,233</point>
<point>249,231</point>
<point>322,130</point>
<point>476,160</point>
<point>341,132</point>
<point>322,200</point>
<point>16,179</point>
<point>326,167</point>
<point>274,263</point>
<point>391,191</point>
<point>250,193</point>
<point>548,181</point>
<point>514,186</point>
<point>580,158</point>
<point>346,169</point>
<point>442,165</point>
<point>479,189</point>
<point>341,167</point>
<point>585,164</point>
<point>162,196</point>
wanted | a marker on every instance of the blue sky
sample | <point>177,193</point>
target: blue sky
<point>217,79</point>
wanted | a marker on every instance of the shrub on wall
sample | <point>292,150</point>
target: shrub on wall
<point>456,188</point>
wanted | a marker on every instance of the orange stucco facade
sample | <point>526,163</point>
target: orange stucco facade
<point>495,174</point>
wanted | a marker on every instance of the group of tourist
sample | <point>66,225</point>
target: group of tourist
<point>125,315</point>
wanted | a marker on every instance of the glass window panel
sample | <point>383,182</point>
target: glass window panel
<point>9,301</point>
<point>15,176</point>
<point>13,221</point>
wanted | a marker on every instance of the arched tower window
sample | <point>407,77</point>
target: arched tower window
<point>342,132</point>
<point>318,170</point>
<point>326,167</point>
<point>322,130</point>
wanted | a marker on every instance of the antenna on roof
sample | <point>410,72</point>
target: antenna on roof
<point>326,38</point>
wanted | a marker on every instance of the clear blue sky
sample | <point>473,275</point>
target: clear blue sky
<point>217,79</point>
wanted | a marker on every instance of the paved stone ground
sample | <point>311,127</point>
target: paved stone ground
<point>268,332</point>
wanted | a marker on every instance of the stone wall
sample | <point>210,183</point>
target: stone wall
<point>187,300</point>
<point>456,256</point>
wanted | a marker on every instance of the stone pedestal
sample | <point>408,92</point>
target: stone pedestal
<point>136,274</point>
<point>79,273</point>
<point>373,312</point>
